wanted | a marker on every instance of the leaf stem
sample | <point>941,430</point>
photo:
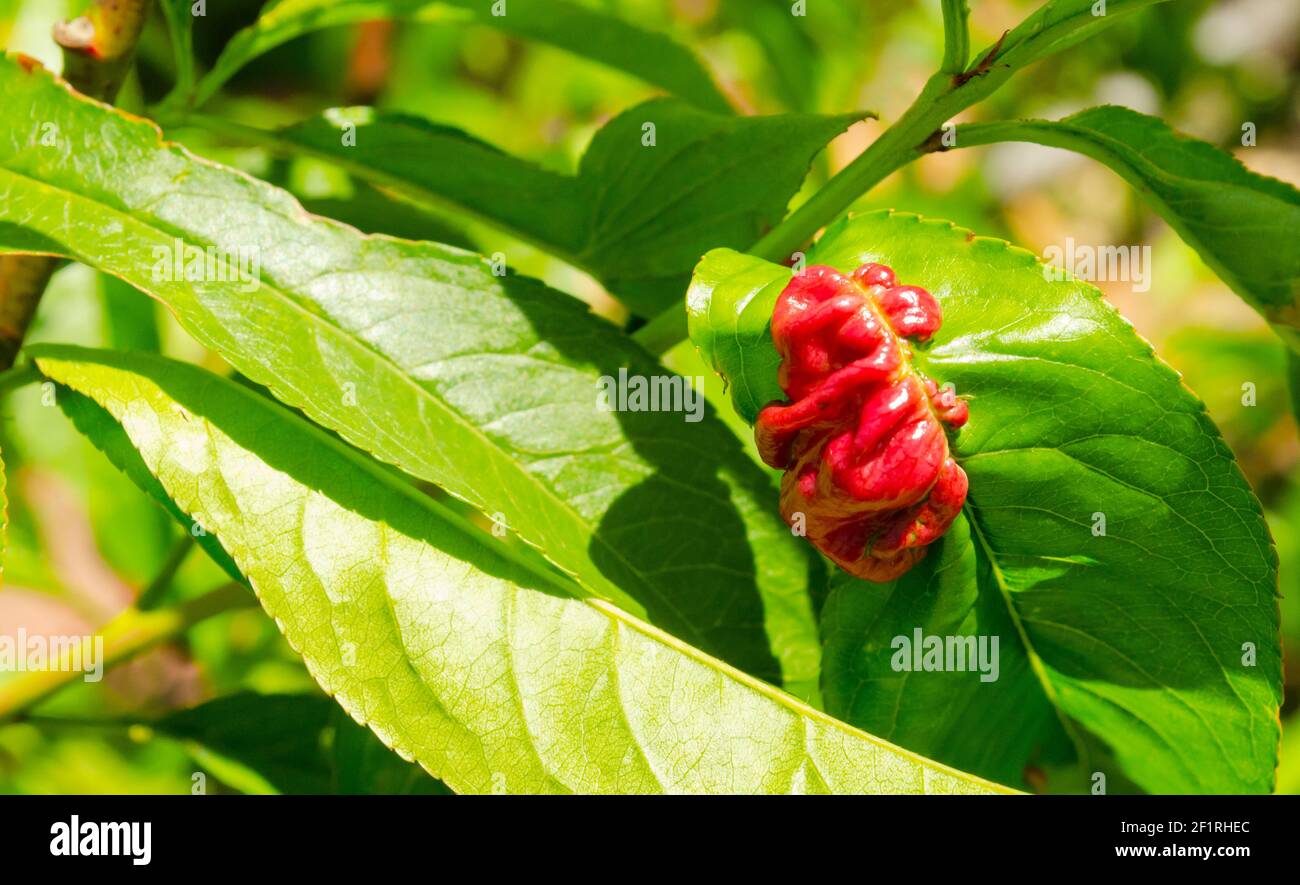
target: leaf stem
<point>908,138</point>
<point>98,46</point>
<point>151,595</point>
<point>956,36</point>
<point>18,376</point>
<point>125,636</point>
<point>663,332</point>
<point>180,27</point>
<point>899,144</point>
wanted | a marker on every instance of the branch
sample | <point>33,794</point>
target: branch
<point>97,52</point>
<point>22,280</point>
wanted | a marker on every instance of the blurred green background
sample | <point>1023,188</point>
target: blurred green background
<point>82,540</point>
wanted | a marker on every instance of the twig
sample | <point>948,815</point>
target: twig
<point>97,52</point>
<point>125,636</point>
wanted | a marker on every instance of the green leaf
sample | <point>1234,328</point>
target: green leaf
<point>1243,225</point>
<point>1135,637</point>
<point>586,32</point>
<point>106,434</point>
<point>1055,26</point>
<point>130,318</point>
<point>485,385</point>
<point>660,184</point>
<point>455,649</point>
<point>276,739</point>
<point>363,766</point>
<point>792,55</point>
<point>292,743</point>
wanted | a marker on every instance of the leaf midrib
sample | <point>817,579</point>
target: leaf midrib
<point>1031,653</point>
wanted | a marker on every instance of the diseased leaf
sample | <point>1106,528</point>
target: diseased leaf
<point>1244,225</point>
<point>660,184</point>
<point>419,354</point>
<point>579,29</point>
<point>455,649</point>
<point>1110,541</point>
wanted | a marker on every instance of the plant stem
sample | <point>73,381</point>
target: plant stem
<point>915,133</point>
<point>663,331</point>
<point>22,281</point>
<point>18,376</point>
<point>956,36</point>
<point>900,144</point>
<point>150,596</point>
<point>97,52</point>
<point>125,636</point>
<point>180,26</point>
<point>98,46</point>
<point>894,149</point>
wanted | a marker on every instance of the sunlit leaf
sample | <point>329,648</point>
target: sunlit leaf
<point>1244,225</point>
<point>456,650</point>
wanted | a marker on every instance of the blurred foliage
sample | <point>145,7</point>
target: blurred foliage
<point>82,539</point>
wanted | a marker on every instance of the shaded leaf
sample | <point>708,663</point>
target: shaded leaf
<point>1133,632</point>
<point>455,649</point>
<point>659,185</point>
<point>294,743</point>
<point>363,766</point>
<point>106,434</point>
<point>579,29</point>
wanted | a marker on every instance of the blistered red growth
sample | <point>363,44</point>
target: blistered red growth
<point>862,440</point>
